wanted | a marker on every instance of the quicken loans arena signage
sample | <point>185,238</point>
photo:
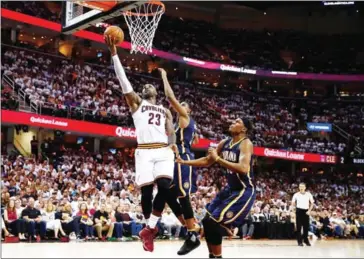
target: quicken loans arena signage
<point>98,129</point>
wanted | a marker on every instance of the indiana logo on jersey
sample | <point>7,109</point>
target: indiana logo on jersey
<point>186,185</point>
<point>229,214</point>
<point>229,156</point>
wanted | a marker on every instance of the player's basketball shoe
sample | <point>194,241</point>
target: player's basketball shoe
<point>147,236</point>
<point>191,243</point>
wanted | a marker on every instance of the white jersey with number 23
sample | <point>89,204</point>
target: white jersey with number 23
<point>150,123</point>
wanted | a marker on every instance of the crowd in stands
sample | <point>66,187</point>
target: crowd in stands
<point>64,88</point>
<point>248,48</point>
<point>91,196</point>
<point>260,49</point>
<point>39,10</point>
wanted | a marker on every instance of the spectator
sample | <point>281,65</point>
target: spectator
<point>315,225</point>
<point>200,214</point>
<point>123,215</point>
<point>34,221</point>
<point>124,199</point>
<point>119,228</point>
<point>18,208</point>
<point>103,223</point>
<point>352,226</point>
<point>69,224</point>
<point>86,224</point>
<point>337,224</point>
<point>48,215</point>
<point>326,224</point>
<point>13,222</point>
<point>170,222</point>
<point>138,218</point>
<point>111,213</point>
<point>12,189</point>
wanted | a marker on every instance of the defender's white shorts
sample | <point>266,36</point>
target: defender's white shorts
<point>151,164</point>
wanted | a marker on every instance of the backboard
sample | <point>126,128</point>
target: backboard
<point>78,15</point>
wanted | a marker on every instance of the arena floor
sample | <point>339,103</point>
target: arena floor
<point>168,249</point>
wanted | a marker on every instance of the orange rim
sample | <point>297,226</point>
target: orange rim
<point>130,13</point>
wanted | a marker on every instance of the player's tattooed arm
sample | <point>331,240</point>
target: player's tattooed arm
<point>184,119</point>
<point>169,128</point>
<point>133,99</point>
<point>243,167</point>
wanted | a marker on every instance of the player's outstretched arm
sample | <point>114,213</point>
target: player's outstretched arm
<point>203,161</point>
<point>132,98</point>
<point>243,167</point>
<point>184,119</point>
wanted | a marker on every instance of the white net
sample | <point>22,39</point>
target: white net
<point>143,22</point>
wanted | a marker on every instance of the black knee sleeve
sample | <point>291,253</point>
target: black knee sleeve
<point>147,198</point>
<point>186,207</point>
<point>212,231</point>
<point>159,202</point>
<point>163,183</point>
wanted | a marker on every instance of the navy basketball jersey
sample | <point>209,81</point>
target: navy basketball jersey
<point>231,153</point>
<point>184,137</point>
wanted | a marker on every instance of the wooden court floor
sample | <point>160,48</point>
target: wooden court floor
<point>168,249</point>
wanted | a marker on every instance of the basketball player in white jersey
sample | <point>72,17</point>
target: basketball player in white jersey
<point>154,158</point>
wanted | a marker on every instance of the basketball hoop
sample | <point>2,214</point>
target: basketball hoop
<point>142,23</point>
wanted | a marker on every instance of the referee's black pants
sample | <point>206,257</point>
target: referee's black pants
<point>302,220</point>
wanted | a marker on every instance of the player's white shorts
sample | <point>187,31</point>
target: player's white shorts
<point>151,164</point>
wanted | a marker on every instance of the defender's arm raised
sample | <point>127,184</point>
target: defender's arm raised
<point>183,115</point>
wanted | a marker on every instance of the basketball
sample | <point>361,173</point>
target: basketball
<point>116,33</point>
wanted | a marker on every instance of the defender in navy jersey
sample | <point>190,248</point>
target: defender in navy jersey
<point>232,204</point>
<point>185,175</point>
<point>184,181</point>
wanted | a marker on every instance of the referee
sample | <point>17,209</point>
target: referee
<point>303,202</point>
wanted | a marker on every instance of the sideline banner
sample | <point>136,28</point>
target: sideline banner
<point>296,156</point>
<point>43,121</point>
